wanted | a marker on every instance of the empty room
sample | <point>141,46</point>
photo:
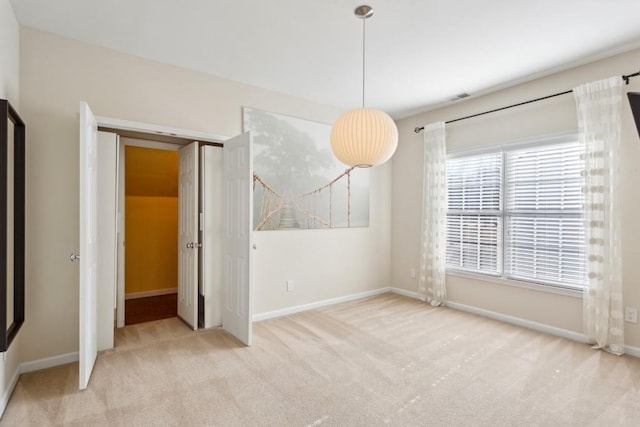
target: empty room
<point>290,213</point>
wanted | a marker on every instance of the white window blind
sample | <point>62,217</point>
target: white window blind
<point>517,213</point>
<point>474,217</point>
<point>544,230</point>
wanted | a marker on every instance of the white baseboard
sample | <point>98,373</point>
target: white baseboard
<point>407,293</point>
<point>154,293</point>
<point>48,362</point>
<point>540,327</point>
<point>317,304</point>
<point>529,324</point>
<point>34,365</point>
<point>4,401</point>
<point>632,351</point>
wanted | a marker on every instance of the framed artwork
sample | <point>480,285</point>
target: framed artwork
<point>298,184</point>
<point>12,205</point>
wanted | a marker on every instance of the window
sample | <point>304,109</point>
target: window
<point>474,215</point>
<point>517,213</point>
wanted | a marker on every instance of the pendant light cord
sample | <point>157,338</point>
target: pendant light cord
<point>363,56</point>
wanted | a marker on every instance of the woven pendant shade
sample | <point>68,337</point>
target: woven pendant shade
<point>364,137</point>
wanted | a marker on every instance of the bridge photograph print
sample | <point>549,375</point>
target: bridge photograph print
<point>297,181</point>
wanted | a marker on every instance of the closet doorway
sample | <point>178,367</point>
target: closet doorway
<point>225,170</point>
<point>151,229</point>
<point>169,230</point>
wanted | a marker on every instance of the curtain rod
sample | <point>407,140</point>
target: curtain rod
<point>420,128</point>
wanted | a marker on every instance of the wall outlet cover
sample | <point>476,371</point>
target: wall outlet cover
<point>631,314</point>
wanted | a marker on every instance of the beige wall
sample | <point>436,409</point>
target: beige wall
<point>9,46</point>
<point>9,89</point>
<point>553,115</point>
<point>326,263</point>
<point>56,74</point>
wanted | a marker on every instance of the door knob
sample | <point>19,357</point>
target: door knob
<point>194,245</point>
<point>74,257</point>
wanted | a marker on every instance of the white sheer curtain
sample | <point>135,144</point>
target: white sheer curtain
<point>599,105</point>
<point>433,250</point>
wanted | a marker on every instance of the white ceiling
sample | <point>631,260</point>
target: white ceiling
<point>419,52</point>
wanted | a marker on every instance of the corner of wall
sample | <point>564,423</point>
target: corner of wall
<point>550,116</point>
<point>9,374</point>
<point>9,54</point>
<point>9,89</point>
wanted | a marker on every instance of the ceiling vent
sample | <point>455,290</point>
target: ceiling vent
<point>459,96</point>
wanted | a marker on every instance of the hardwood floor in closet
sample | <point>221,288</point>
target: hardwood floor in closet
<point>141,310</point>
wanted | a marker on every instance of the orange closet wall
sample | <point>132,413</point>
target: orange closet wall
<point>151,219</point>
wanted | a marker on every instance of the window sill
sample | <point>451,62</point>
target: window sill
<point>575,293</point>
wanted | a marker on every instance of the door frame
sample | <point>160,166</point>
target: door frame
<point>134,129</point>
<point>108,123</point>
<point>126,141</point>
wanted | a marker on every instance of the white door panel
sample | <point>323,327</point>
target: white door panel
<point>107,265</point>
<point>121,236</point>
<point>237,230</point>
<point>211,261</point>
<point>188,213</point>
<point>88,321</point>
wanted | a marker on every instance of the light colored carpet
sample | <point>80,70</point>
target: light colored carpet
<point>386,360</point>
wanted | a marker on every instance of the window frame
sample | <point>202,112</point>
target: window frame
<point>502,277</point>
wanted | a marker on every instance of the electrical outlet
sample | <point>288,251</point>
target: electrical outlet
<point>412,273</point>
<point>631,314</point>
<point>290,286</point>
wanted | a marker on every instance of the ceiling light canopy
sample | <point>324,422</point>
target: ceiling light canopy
<point>364,137</point>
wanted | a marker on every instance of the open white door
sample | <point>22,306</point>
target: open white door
<point>120,230</point>
<point>107,250</point>
<point>237,269</point>
<point>88,243</point>
<point>211,229</point>
<point>188,235</point>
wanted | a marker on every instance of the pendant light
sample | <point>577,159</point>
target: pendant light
<point>364,137</point>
